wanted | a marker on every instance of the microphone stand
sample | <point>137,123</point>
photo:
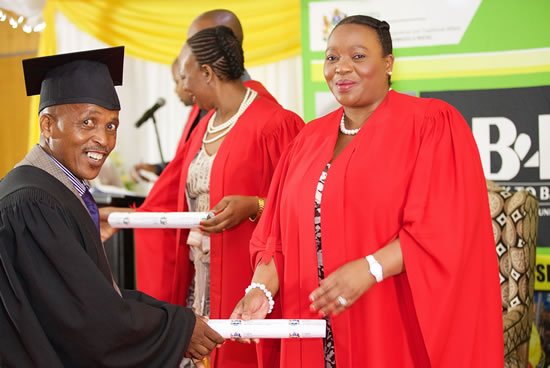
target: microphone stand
<point>158,139</point>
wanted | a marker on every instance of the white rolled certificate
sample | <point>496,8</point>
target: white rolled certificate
<point>269,328</point>
<point>158,220</point>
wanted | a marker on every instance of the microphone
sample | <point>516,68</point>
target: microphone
<point>147,114</point>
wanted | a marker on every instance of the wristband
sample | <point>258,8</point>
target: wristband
<point>375,268</point>
<point>266,292</point>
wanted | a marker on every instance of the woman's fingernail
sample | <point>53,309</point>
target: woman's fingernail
<point>322,314</point>
<point>311,297</point>
<point>312,308</point>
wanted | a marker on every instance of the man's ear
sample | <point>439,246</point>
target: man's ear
<point>46,123</point>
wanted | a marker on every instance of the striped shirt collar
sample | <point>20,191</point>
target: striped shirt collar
<point>80,185</point>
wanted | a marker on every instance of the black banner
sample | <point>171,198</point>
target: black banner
<point>512,130</point>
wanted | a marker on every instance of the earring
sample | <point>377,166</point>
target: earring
<point>389,73</point>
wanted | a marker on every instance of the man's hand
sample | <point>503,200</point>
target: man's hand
<point>107,230</point>
<point>230,211</point>
<point>203,340</point>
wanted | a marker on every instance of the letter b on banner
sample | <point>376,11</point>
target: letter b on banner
<point>481,128</point>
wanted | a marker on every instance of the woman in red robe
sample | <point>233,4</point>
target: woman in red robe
<point>155,248</point>
<point>227,166</point>
<point>378,220</point>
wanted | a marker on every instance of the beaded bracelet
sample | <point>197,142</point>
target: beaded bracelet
<point>266,292</point>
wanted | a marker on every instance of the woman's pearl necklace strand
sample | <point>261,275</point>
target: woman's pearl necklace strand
<point>350,131</point>
<point>347,131</point>
<point>247,100</point>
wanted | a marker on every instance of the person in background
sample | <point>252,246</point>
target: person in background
<point>194,116</point>
<point>155,249</point>
<point>377,219</point>
<point>212,18</point>
<point>60,304</point>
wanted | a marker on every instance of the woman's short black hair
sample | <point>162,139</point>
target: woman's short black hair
<point>219,48</point>
<point>381,27</point>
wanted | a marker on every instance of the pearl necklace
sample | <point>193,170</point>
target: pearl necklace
<point>350,131</point>
<point>249,97</point>
<point>347,131</point>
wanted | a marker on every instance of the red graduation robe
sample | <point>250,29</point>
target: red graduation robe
<point>413,171</point>
<point>154,263</point>
<point>155,249</point>
<point>244,165</point>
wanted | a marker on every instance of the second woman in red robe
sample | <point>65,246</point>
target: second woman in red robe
<point>228,164</point>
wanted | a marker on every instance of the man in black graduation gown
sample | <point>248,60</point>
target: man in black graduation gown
<point>59,305</point>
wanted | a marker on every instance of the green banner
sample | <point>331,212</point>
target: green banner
<point>501,44</point>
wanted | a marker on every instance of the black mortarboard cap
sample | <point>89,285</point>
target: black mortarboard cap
<point>77,77</point>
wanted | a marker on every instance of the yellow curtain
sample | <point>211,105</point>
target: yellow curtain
<point>155,30</point>
<point>46,46</point>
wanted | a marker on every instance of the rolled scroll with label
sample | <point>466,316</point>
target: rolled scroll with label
<point>269,328</point>
<point>158,220</point>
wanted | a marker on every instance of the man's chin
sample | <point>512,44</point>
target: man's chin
<point>91,167</point>
<point>89,175</point>
<point>91,172</point>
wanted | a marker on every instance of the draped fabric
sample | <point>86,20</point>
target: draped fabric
<point>155,30</point>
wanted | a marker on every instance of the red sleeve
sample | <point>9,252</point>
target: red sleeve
<point>266,239</point>
<point>447,241</point>
<point>276,141</point>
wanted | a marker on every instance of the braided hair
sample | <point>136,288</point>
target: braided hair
<point>381,27</point>
<point>219,48</point>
